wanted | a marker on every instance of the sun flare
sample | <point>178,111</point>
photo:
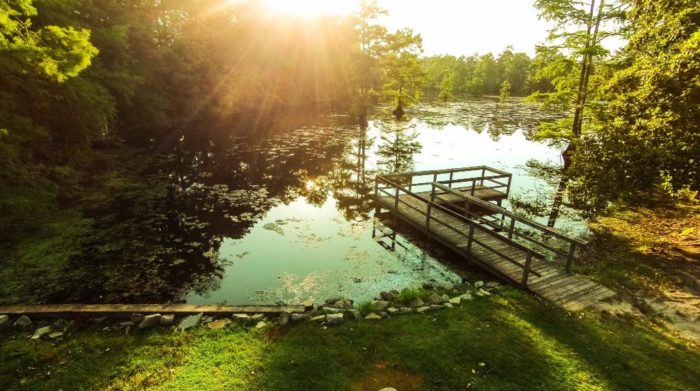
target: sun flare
<point>311,7</point>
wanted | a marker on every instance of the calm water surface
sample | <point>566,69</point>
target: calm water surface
<point>302,225</point>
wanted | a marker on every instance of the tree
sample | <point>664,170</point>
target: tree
<point>371,36</point>
<point>649,134</point>
<point>505,91</point>
<point>403,74</point>
<point>578,30</point>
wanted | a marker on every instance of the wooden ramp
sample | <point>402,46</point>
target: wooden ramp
<point>117,309</point>
<point>485,233</point>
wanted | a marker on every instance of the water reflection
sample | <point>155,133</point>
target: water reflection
<point>399,144</point>
<point>286,214</point>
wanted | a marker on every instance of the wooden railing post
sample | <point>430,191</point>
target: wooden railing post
<point>428,216</point>
<point>483,174</point>
<point>451,176</point>
<point>510,178</point>
<point>396,206</point>
<point>570,257</point>
<point>526,272</point>
<point>470,239</point>
<point>511,228</point>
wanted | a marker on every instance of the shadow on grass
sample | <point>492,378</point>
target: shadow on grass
<point>504,343</point>
<point>507,342</point>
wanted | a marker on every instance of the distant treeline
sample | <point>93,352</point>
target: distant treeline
<point>448,77</point>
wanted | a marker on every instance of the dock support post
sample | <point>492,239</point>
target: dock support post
<point>570,257</point>
<point>526,272</point>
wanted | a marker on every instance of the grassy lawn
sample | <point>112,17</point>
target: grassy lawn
<point>509,341</point>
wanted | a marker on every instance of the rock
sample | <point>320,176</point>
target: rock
<point>40,332</point>
<point>137,318</point>
<point>389,296</point>
<point>379,305</point>
<point>417,302</point>
<point>392,310</point>
<point>23,321</point>
<point>299,317</point>
<point>62,324</point>
<point>167,319</point>
<point>445,298</point>
<point>437,307</point>
<point>448,305</point>
<point>447,286</point>
<point>435,299</point>
<point>492,285</point>
<point>284,318</point>
<point>207,320</point>
<point>456,300</point>
<point>261,325</point>
<point>219,324</point>
<point>332,310</point>
<point>343,303</point>
<point>354,314</point>
<point>330,302</point>
<point>373,316</point>
<point>318,319</point>
<point>388,389</point>
<point>334,318</point>
<point>56,335</point>
<point>466,297</point>
<point>478,284</point>
<point>99,320</point>
<point>423,309</point>
<point>125,325</point>
<point>257,317</point>
<point>150,321</point>
<point>406,310</point>
<point>244,318</point>
<point>4,319</point>
<point>308,303</point>
<point>189,322</point>
<point>482,293</point>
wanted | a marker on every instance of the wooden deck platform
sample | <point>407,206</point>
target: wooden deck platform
<point>125,309</point>
<point>492,245</point>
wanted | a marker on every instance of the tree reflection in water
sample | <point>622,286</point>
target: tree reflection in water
<point>399,143</point>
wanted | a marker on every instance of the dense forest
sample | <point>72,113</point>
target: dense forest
<point>79,76</point>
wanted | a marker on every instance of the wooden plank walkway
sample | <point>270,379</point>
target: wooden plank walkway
<point>495,252</point>
<point>116,309</point>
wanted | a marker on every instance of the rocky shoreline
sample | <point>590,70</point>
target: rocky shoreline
<point>431,297</point>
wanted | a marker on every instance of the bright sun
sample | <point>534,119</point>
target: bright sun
<point>311,7</point>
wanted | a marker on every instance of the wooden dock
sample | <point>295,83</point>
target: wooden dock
<point>126,309</point>
<point>456,208</point>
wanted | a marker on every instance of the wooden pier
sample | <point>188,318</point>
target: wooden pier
<point>460,208</point>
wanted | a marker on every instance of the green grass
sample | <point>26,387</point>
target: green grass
<point>507,342</point>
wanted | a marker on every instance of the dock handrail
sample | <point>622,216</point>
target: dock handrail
<point>484,178</point>
<point>573,242</point>
<point>445,171</point>
<point>527,270</point>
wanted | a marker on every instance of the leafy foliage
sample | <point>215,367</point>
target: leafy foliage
<point>650,132</point>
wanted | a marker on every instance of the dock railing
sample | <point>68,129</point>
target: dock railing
<point>463,178</point>
<point>504,221</point>
<point>387,186</point>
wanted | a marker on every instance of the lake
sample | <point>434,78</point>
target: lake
<point>316,239</point>
<point>286,214</point>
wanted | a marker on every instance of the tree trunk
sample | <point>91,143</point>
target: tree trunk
<point>581,97</point>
